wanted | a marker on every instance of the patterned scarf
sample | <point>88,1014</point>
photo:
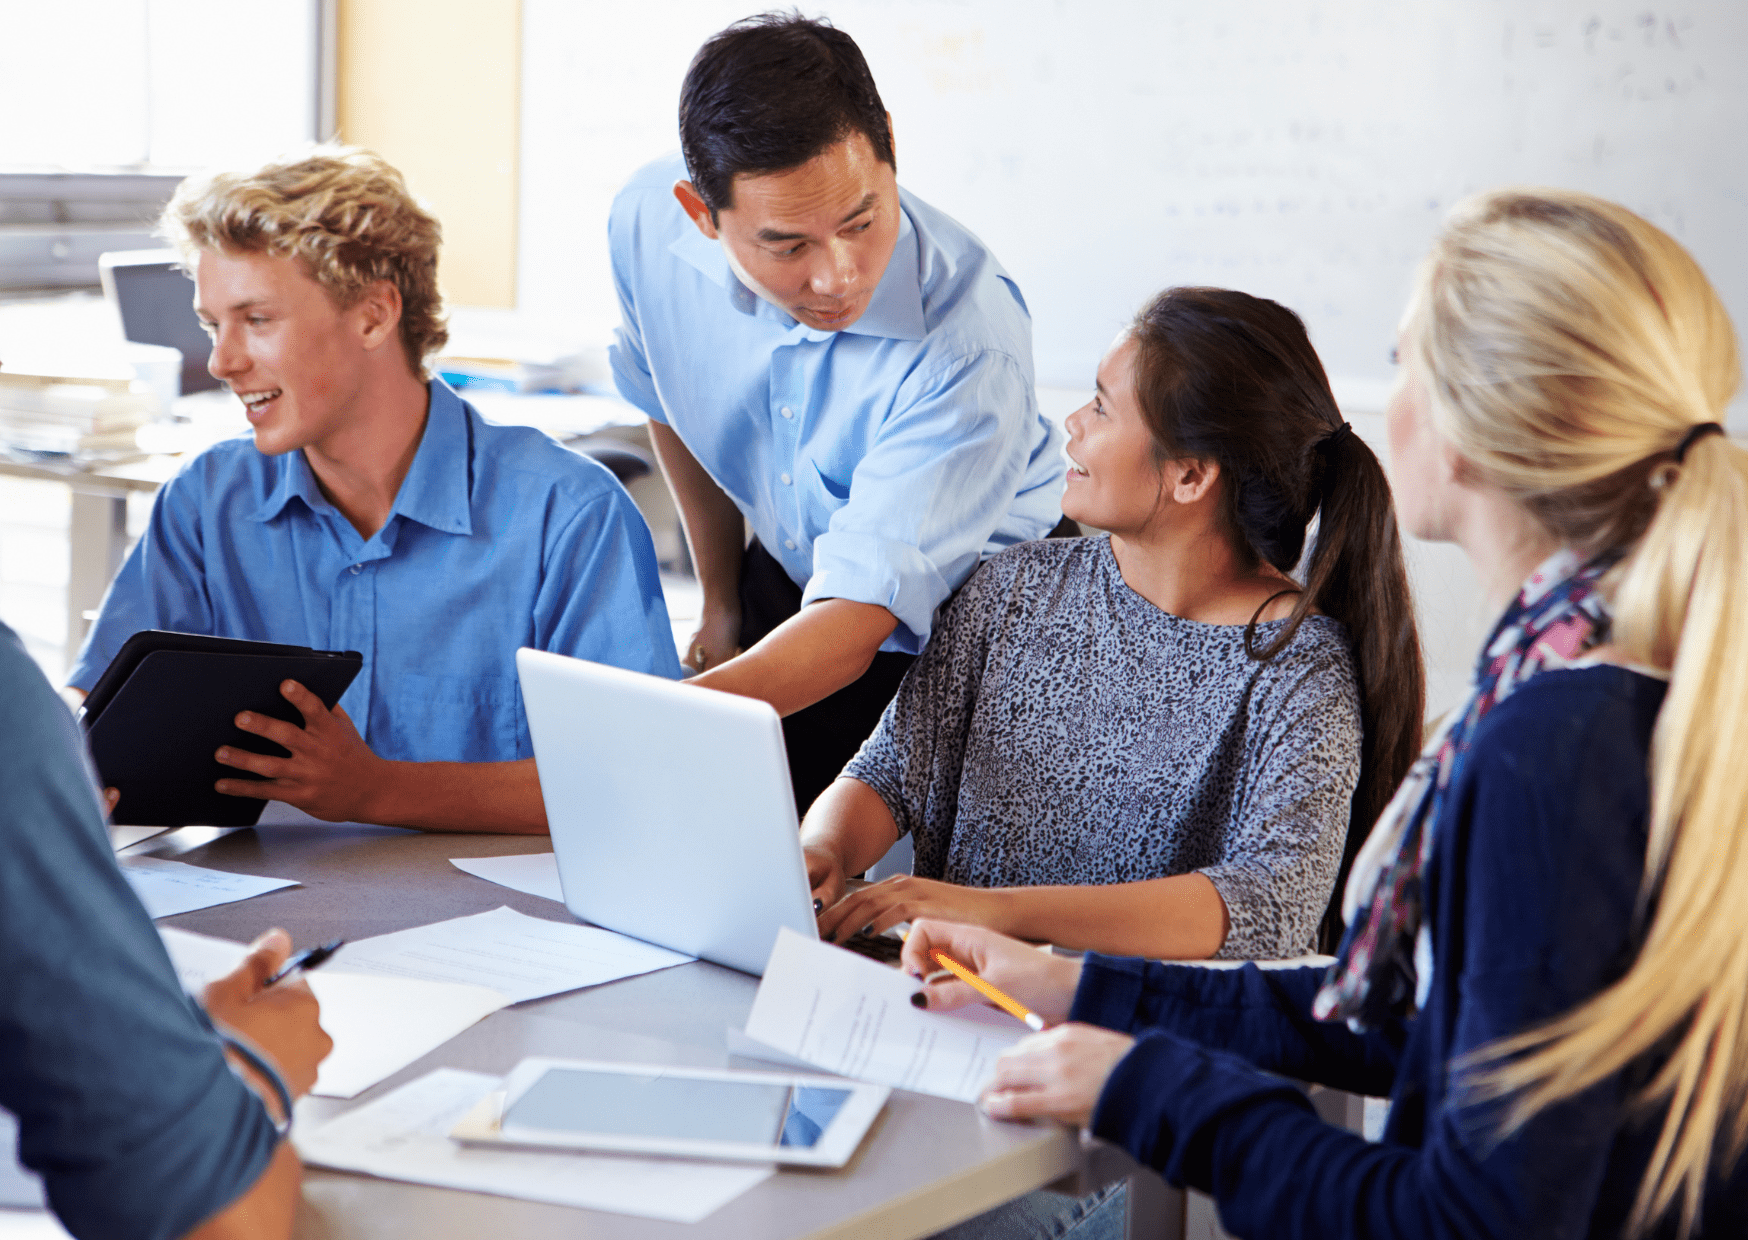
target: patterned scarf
<point>1384,966</point>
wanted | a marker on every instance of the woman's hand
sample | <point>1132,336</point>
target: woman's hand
<point>281,1020</point>
<point>825,874</point>
<point>904,897</point>
<point>1057,1074</point>
<point>1043,982</point>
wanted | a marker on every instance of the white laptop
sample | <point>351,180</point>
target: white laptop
<point>671,809</point>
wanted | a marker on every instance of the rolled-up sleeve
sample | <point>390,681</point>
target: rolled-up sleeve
<point>125,1104</point>
<point>925,499</point>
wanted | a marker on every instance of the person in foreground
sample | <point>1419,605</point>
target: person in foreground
<point>830,361</point>
<point>374,510</point>
<point>125,1102</point>
<point>1155,743</point>
<point>1547,967</point>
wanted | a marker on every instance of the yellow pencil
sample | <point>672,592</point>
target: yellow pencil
<point>1013,1007</point>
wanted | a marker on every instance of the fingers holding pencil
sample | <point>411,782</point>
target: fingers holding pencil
<point>1039,982</point>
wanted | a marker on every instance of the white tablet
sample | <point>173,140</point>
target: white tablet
<point>575,1104</point>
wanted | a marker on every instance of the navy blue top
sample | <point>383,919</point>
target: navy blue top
<point>498,538</point>
<point>1531,898</point>
<point>125,1104</point>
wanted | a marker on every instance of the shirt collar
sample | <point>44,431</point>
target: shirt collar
<point>435,491</point>
<point>895,311</point>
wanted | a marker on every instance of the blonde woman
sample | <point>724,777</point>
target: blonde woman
<point>1548,965</point>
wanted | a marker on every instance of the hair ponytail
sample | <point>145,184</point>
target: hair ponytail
<point>1225,376</point>
<point>1355,574</point>
<point>1572,348</point>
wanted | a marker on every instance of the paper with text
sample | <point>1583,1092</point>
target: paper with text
<point>849,1015</point>
<point>404,1136</point>
<point>170,887</point>
<point>379,1024</point>
<point>534,874</point>
<point>523,957</point>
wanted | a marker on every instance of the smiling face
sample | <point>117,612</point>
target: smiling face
<point>812,240</point>
<point>1114,482</point>
<point>295,359</point>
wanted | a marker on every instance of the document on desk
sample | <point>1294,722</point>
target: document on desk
<point>523,957</point>
<point>379,1024</point>
<point>405,1136</point>
<point>849,1015</point>
<point>170,887</point>
<point>127,837</point>
<point>534,874</point>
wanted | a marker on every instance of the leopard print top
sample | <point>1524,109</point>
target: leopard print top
<point>1061,729</point>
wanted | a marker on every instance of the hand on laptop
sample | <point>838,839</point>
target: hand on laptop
<point>825,873</point>
<point>331,773</point>
<point>904,897</point>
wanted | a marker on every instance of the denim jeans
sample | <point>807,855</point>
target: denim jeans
<point>1046,1215</point>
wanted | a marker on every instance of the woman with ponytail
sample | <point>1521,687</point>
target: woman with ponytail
<point>1151,742</point>
<point>1547,967</point>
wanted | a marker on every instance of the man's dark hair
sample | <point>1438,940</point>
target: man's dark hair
<point>768,94</point>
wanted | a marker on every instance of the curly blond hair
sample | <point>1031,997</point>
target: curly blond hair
<point>342,212</point>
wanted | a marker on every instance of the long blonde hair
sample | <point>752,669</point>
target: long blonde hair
<point>1569,347</point>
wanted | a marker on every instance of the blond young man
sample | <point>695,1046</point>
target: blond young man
<point>373,509</point>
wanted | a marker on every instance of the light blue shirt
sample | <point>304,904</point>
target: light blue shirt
<point>879,463</point>
<point>498,538</point>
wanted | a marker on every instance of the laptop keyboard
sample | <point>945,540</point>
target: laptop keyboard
<point>882,947</point>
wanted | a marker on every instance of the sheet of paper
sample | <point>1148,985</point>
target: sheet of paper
<point>404,1136</point>
<point>19,1189</point>
<point>534,874</point>
<point>523,957</point>
<point>127,837</point>
<point>170,887</point>
<point>852,1016</point>
<point>379,1024</point>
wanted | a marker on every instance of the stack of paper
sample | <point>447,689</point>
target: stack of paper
<point>404,1136</point>
<point>849,1015</point>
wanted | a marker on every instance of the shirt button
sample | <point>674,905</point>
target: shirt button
<point>789,543</point>
<point>787,412</point>
<point>786,479</point>
<point>356,569</point>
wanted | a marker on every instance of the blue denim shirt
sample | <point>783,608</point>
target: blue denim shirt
<point>878,463</point>
<point>125,1104</point>
<point>499,538</point>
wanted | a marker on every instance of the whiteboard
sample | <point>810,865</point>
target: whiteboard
<point>1106,149</point>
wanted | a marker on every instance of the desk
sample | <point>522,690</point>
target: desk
<point>97,530</point>
<point>928,1162</point>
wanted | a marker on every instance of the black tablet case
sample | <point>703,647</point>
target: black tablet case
<point>154,737</point>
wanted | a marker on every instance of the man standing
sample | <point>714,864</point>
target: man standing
<point>832,362</point>
<point>373,509</point>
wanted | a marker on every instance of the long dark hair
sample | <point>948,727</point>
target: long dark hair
<point>1225,376</point>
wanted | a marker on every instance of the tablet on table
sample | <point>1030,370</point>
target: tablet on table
<point>681,1112</point>
<point>168,701</point>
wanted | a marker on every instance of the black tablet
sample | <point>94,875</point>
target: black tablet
<point>167,701</point>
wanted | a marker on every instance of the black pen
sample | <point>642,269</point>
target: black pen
<point>314,958</point>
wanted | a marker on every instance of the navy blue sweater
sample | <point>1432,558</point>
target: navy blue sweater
<point>1531,897</point>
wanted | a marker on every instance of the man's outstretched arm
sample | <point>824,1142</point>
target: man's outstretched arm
<point>332,774</point>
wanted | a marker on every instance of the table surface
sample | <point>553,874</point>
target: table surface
<point>927,1163</point>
